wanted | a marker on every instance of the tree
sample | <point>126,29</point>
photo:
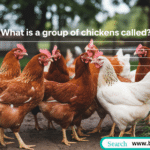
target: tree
<point>32,13</point>
<point>144,4</point>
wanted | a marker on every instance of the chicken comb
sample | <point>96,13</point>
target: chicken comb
<point>46,52</point>
<point>139,47</point>
<point>54,50</point>
<point>90,54</point>
<point>97,54</point>
<point>90,45</point>
<point>21,47</point>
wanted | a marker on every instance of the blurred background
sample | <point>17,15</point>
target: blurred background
<point>50,15</point>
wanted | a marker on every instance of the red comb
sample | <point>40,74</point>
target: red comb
<point>90,45</point>
<point>54,50</point>
<point>139,47</point>
<point>45,51</point>
<point>97,54</point>
<point>89,53</point>
<point>21,47</point>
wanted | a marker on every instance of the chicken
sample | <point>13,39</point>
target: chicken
<point>117,64</point>
<point>57,72</point>
<point>10,66</point>
<point>143,66</point>
<point>125,102</point>
<point>21,95</point>
<point>73,97</point>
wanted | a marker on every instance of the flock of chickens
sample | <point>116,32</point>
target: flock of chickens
<point>73,89</point>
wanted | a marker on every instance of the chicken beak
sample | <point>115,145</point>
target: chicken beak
<point>93,61</point>
<point>50,59</point>
<point>135,53</point>
<point>24,54</point>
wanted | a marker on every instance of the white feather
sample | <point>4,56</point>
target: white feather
<point>125,102</point>
<point>28,100</point>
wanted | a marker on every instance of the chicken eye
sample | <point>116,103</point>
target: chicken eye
<point>18,51</point>
<point>43,57</point>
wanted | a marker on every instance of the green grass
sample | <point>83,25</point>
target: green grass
<point>134,65</point>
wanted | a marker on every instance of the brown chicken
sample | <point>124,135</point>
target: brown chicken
<point>143,66</point>
<point>22,94</point>
<point>11,69</point>
<point>57,72</point>
<point>95,105</point>
<point>73,98</point>
<point>10,66</point>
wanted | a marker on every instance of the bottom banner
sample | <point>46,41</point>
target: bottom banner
<point>125,143</point>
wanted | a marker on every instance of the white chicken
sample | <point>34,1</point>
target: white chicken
<point>125,102</point>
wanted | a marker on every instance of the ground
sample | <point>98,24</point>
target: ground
<point>51,139</point>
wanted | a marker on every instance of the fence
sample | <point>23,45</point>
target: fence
<point>109,47</point>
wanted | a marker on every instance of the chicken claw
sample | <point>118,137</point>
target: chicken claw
<point>111,134</point>
<point>129,131</point>
<point>2,136</point>
<point>22,144</point>
<point>9,138</point>
<point>79,132</point>
<point>75,135</point>
<point>98,128</point>
<point>65,141</point>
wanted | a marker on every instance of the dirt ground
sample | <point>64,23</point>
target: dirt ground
<point>51,139</point>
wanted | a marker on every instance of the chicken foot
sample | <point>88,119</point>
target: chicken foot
<point>2,136</point>
<point>37,127</point>
<point>75,135</point>
<point>22,144</point>
<point>112,132</point>
<point>98,128</point>
<point>9,138</point>
<point>79,131</point>
<point>129,131</point>
<point>65,141</point>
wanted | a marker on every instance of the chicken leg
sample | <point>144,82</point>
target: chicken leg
<point>98,128</point>
<point>112,132</point>
<point>21,143</point>
<point>133,130</point>
<point>37,127</point>
<point>65,141</point>
<point>2,136</point>
<point>121,133</point>
<point>75,135</point>
<point>51,123</point>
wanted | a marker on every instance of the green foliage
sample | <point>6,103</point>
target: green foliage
<point>143,129</point>
<point>134,65</point>
<point>43,45</point>
<point>32,14</point>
